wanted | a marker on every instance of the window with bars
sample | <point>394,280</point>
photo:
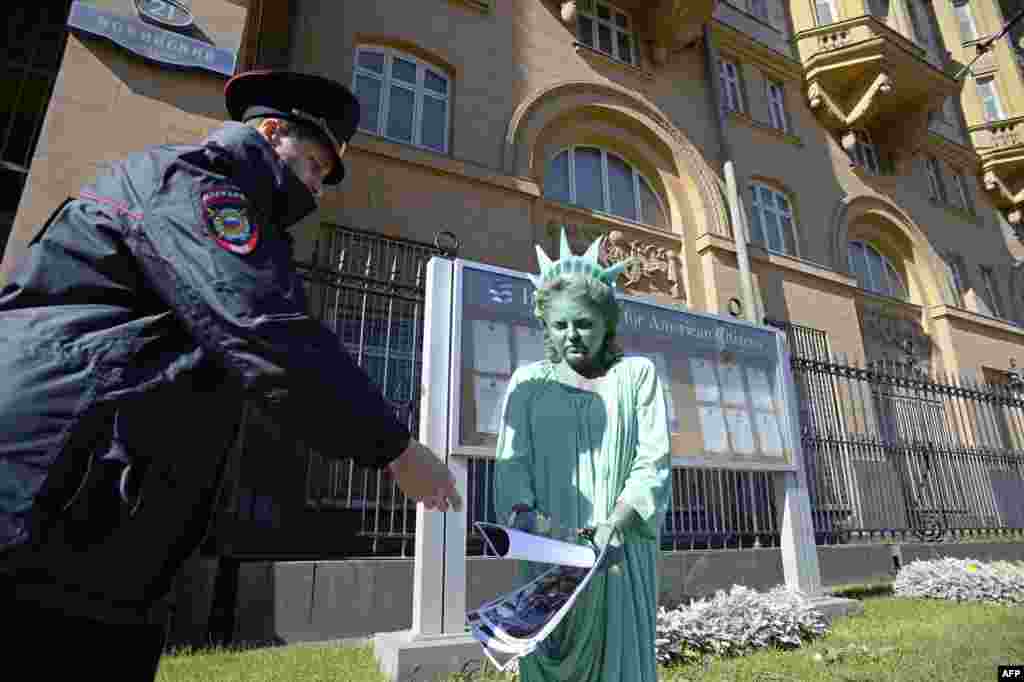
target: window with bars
<point>402,98</point>
<point>732,91</point>
<point>607,29</point>
<point>936,188</point>
<point>990,102</point>
<point>601,181</point>
<point>777,106</point>
<point>30,58</point>
<point>874,271</point>
<point>771,223</point>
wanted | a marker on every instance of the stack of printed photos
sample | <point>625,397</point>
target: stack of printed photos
<point>514,624</point>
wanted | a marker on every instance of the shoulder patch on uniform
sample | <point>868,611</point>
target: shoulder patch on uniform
<point>227,213</point>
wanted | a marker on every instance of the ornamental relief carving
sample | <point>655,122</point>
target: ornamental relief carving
<point>658,271</point>
<point>895,342</point>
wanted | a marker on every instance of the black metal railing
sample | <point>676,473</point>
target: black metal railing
<point>889,452</point>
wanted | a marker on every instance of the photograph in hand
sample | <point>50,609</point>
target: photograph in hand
<point>525,613</point>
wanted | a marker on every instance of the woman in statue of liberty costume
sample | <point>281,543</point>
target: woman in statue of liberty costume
<point>584,443</point>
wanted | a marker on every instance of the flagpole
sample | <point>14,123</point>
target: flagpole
<point>986,45</point>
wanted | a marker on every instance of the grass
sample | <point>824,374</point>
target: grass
<point>896,639</point>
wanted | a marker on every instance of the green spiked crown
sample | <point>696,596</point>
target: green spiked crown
<point>585,265</point>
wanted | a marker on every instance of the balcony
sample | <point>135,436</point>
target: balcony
<point>1001,147</point>
<point>861,74</point>
<point>668,24</point>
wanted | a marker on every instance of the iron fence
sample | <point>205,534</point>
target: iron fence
<point>908,455</point>
<point>369,289</point>
<point>888,451</point>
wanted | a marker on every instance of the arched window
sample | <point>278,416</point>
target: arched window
<point>402,98</point>
<point>601,181</point>
<point>771,220</point>
<point>875,272</point>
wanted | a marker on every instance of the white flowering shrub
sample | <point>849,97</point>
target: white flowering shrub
<point>962,580</point>
<point>736,622</point>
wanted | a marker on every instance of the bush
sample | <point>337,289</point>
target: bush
<point>736,622</point>
<point>962,580</point>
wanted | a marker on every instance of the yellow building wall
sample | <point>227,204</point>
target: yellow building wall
<point>521,91</point>
<point>108,103</point>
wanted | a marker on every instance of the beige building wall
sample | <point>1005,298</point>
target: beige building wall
<point>107,103</point>
<point>523,88</point>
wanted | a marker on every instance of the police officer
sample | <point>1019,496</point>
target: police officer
<point>148,308</point>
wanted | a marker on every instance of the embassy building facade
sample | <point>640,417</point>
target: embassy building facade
<point>878,205</point>
<point>882,195</point>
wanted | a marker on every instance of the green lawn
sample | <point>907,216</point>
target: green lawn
<point>895,639</point>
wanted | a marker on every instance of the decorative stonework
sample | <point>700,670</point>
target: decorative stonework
<point>659,270</point>
<point>896,341</point>
<point>569,13</point>
<point>852,69</point>
<point>708,198</point>
<point>821,102</point>
<point>1010,201</point>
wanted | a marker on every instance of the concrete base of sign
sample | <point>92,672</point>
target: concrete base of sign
<point>837,607</point>
<point>407,656</point>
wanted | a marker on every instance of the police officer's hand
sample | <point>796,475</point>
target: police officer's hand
<point>423,477</point>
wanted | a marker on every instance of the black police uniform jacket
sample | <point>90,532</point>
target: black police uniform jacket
<point>146,310</point>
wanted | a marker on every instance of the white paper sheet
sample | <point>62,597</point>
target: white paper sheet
<point>529,344</point>
<point>740,431</point>
<point>489,394</point>
<point>760,388</point>
<point>491,352</point>
<point>533,610</point>
<point>712,426</point>
<point>704,380</point>
<point>768,429</point>
<point>732,383</point>
<point>507,543</point>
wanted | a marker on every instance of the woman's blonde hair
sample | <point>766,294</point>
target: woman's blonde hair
<point>588,290</point>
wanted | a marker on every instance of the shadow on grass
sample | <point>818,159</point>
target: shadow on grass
<point>863,591</point>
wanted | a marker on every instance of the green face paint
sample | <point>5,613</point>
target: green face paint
<point>578,330</point>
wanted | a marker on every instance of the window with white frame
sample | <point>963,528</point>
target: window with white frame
<point>825,11</point>
<point>602,181</point>
<point>995,308</point>
<point>874,271</point>
<point>965,17</point>
<point>777,106</point>
<point>771,219</point>
<point>936,189</point>
<point>865,153</point>
<point>402,98</point>
<point>607,29</point>
<point>732,93</point>
<point>962,197</point>
<point>990,103</point>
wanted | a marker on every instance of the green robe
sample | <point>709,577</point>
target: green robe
<point>573,452</point>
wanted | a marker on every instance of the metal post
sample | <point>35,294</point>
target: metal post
<point>739,233</point>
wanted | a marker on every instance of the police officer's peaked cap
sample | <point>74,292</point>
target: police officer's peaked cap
<point>320,102</point>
